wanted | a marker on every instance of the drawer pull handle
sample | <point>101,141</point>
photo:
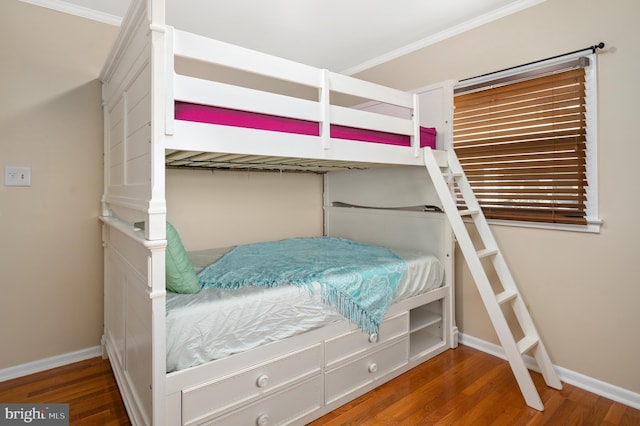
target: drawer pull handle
<point>263,420</point>
<point>373,338</point>
<point>373,368</point>
<point>262,381</point>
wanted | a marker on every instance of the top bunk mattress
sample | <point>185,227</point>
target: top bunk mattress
<point>216,323</point>
<point>231,117</point>
<point>309,132</point>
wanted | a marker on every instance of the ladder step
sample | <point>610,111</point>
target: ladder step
<point>454,204</point>
<point>469,212</point>
<point>506,296</point>
<point>487,252</point>
<point>527,343</point>
<point>450,177</point>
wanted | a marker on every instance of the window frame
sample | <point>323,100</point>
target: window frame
<point>593,220</point>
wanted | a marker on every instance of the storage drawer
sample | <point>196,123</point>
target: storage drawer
<point>364,370</point>
<point>242,386</point>
<point>278,409</point>
<point>357,342</point>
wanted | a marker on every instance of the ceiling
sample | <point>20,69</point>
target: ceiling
<point>341,35</point>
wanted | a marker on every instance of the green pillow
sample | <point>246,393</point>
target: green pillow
<point>180,275</point>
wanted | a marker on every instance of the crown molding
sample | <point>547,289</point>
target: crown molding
<point>443,35</point>
<point>73,9</point>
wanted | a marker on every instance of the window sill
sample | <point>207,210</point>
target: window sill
<point>592,226</point>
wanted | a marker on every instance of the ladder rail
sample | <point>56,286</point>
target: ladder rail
<point>481,223</point>
<point>504,273</point>
<point>509,296</point>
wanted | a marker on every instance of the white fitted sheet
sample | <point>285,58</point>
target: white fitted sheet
<point>216,323</point>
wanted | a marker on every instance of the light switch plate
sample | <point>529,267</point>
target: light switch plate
<point>17,176</point>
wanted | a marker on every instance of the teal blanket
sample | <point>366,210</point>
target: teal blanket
<point>358,279</point>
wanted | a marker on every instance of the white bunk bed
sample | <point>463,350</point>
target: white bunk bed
<point>148,76</point>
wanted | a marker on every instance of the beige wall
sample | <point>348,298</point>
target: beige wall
<point>583,289</point>
<point>51,120</point>
<point>223,208</point>
<point>50,251</point>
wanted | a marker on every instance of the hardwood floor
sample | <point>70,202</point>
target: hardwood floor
<point>87,386</point>
<point>462,386</point>
<point>468,387</point>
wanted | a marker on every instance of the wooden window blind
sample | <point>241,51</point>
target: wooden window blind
<point>523,148</point>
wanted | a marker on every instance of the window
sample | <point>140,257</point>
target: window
<point>526,140</point>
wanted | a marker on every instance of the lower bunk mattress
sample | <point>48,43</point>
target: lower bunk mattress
<point>216,323</point>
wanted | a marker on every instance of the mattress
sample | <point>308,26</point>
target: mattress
<point>230,117</point>
<point>216,323</point>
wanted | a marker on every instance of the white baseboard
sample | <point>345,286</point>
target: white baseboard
<point>48,363</point>
<point>598,387</point>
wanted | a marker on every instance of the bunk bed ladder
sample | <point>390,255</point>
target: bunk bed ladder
<point>499,292</point>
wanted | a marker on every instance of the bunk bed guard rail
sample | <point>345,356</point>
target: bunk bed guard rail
<point>331,119</point>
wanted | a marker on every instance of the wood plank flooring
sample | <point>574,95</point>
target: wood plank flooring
<point>87,386</point>
<point>467,387</point>
<point>459,387</point>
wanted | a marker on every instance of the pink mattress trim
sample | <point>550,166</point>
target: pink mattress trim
<point>230,117</point>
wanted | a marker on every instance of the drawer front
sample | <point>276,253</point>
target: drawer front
<point>279,409</point>
<point>357,342</point>
<point>242,386</point>
<point>366,369</point>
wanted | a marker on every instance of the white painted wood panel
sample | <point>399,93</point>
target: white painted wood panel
<point>346,346</point>
<point>132,59</point>
<point>191,136</point>
<point>417,231</point>
<point>217,52</point>
<point>436,110</point>
<point>361,88</point>
<point>245,386</point>
<point>207,92</point>
<point>372,121</point>
<point>387,187</point>
<point>139,88</point>
<point>286,407</point>
<point>365,370</point>
<point>139,341</point>
<point>115,300</point>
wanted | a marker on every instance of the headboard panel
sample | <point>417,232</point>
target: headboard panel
<point>425,231</point>
<point>374,216</point>
<point>392,187</point>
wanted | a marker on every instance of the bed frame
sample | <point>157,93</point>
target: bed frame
<point>301,378</point>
